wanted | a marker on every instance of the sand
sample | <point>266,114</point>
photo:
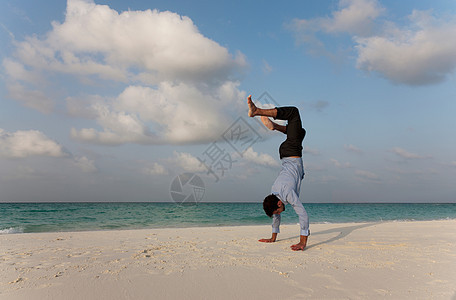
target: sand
<point>396,260</point>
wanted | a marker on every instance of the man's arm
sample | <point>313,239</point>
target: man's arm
<point>275,229</point>
<point>276,223</point>
<point>293,199</point>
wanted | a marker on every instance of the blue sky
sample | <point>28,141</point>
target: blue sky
<point>111,100</point>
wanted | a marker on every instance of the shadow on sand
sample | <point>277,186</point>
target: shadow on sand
<point>343,232</point>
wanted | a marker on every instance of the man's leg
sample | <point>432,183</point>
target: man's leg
<point>294,126</point>
<point>292,147</point>
<point>291,114</point>
<point>256,111</point>
<point>294,131</point>
<point>265,114</point>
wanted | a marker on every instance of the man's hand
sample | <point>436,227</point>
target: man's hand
<point>301,245</point>
<point>271,240</point>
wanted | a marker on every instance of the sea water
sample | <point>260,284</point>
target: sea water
<point>55,217</point>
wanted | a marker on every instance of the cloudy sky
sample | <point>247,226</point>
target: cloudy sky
<point>111,100</point>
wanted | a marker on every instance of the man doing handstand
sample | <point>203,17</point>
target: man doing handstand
<point>285,189</point>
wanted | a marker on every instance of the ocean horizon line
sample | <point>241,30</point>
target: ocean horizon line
<point>216,202</point>
<point>86,216</point>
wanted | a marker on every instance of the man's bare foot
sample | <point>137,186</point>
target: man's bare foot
<point>252,107</point>
<point>301,245</point>
<point>267,122</point>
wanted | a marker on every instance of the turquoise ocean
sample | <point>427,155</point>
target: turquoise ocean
<point>57,217</point>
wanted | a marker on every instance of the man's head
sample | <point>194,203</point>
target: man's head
<point>272,205</point>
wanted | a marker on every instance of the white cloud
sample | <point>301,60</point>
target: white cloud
<point>353,17</point>
<point>311,151</point>
<point>169,114</point>
<point>352,148</point>
<point>422,53</point>
<point>21,172</point>
<point>262,159</point>
<point>407,172</point>
<point>187,162</point>
<point>25,143</point>
<point>17,71</point>
<point>155,169</point>
<point>119,127</point>
<point>314,167</point>
<point>266,67</point>
<point>362,174</point>
<point>453,163</point>
<point>80,107</point>
<point>85,164</point>
<point>406,154</point>
<point>35,99</point>
<point>178,86</point>
<point>161,45</point>
<point>340,165</point>
<point>11,35</point>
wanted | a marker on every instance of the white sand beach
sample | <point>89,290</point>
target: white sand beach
<point>396,260</point>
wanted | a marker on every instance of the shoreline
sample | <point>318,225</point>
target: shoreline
<point>69,217</point>
<point>221,226</point>
<point>410,259</point>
